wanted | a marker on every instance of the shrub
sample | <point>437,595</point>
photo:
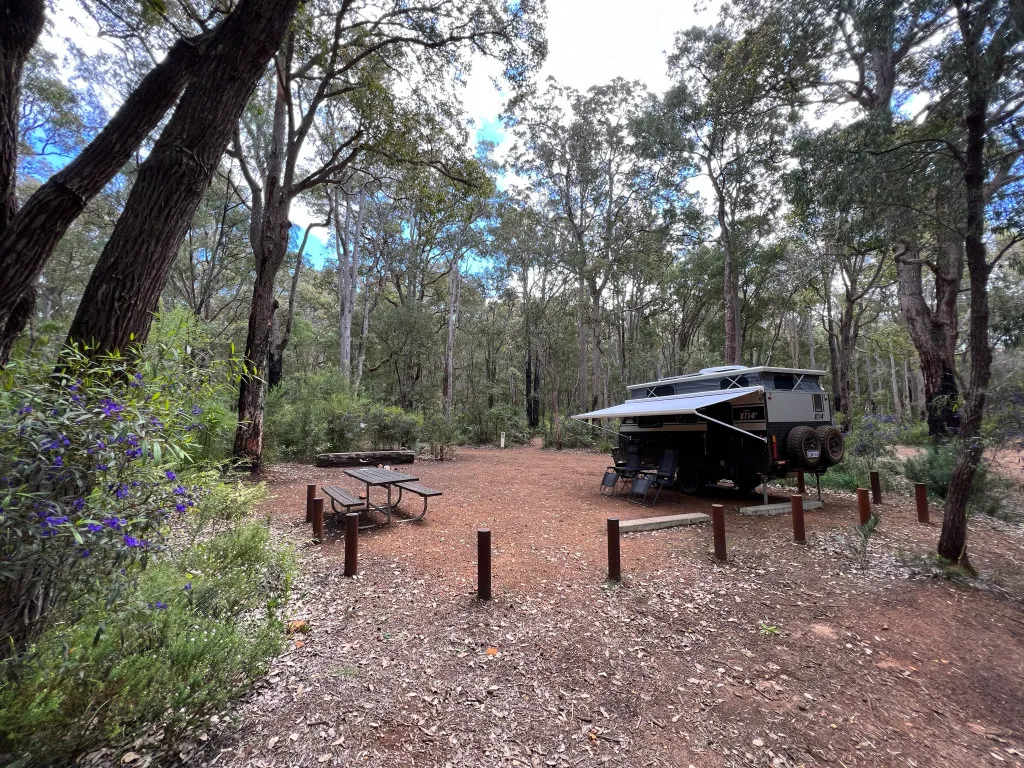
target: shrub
<point>577,434</point>
<point>194,633</point>
<point>310,414</point>
<point>388,426</point>
<point>137,593</point>
<point>88,481</point>
<point>989,493</point>
<point>442,435</point>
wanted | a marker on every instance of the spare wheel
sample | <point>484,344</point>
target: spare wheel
<point>803,446</point>
<point>833,447</point>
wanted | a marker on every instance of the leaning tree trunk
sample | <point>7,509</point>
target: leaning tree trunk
<point>21,22</point>
<point>953,540</point>
<point>26,245</point>
<point>118,303</point>
<point>449,353</point>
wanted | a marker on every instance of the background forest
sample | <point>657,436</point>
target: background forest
<point>829,184</point>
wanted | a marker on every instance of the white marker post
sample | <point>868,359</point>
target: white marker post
<point>502,439</point>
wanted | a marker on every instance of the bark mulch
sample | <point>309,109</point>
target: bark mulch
<point>789,655</point>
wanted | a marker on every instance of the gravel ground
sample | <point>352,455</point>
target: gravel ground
<point>788,655</point>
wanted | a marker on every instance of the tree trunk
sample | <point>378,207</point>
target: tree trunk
<point>455,291</point>
<point>21,22</point>
<point>934,331</point>
<point>810,341</point>
<point>347,245</point>
<point>897,406</point>
<point>26,245</point>
<point>953,540</point>
<point>118,303</point>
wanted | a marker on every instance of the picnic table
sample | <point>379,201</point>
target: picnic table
<point>386,478</point>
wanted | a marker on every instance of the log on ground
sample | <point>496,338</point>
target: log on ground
<point>364,458</point>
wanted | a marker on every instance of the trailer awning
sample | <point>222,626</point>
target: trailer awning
<point>669,405</point>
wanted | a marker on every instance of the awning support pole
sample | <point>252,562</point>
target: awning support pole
<point>730,426</point>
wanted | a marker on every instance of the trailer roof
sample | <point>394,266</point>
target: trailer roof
<point>718,373</point>
<point>670,405</point>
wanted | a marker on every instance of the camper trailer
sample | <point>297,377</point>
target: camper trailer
<point>730,423</point>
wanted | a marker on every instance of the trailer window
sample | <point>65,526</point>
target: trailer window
<point>784,381</point>
<point>735,382</point>
<point>661,391</point>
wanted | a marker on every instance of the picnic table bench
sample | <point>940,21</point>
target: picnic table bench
<point>420,489</point>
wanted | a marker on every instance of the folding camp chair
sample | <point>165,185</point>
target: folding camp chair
<point>626,471</point>
<point>664,476</point>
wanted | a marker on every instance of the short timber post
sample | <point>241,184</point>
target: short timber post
<point>797,503</point>
<point>318,520</point>
<point>801,487</point>
<point>310,495</point>
<point>863,505</point>
<point>921,495</point>
<point>614,554</point>
<point>351,543</point>
<point>718,526</point>
<point>483,561</point>
<point>876,488</point>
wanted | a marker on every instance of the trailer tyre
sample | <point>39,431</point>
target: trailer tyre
<point>833,448</point>
<point>803,446</point>
<point>690,480</point>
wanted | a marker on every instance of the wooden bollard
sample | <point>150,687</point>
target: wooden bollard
<point>310,495</point>
<point>351,543</point>
<point>614,553</point>
<point>718,527</point>
<point>318,519</point>
<point>801,487</point>
<point>921,495</point>
<point>863,505</point>
<point>797,503</point>
<point>876,488</point>
<point>483,564</point>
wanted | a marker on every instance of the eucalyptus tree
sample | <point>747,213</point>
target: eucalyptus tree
<point>579,152</point>
<point>727,118</point>
<point>352,78</point>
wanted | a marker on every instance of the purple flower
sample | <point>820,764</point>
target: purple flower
<point>110,408</point>
<point>137,381</point>
<point>58,461</point>
<point>133,453</point>
<point>76,399</point>
<point>78,504</point>
<point>115,523</point>
<point>122,491</point>
<point>188,587</point>
<point>25,409</point>
<point>46,532</point>
<point>131,541</point>
<point>179,490</point>
<point>102,467</point>
<point>95,527</point>
<point>51,520</point>
<point>85,553</point>
<point>196,410</point>
<point>160,605</point>
<point>180,507</point>
<point>170,474</point>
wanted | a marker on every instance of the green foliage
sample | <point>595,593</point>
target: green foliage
<point>502,418</point>
<point>391,427</point>
<point>990,491</point>
<point>195,631</point>
<point>89,463</point>
<point>575,434</point>
<point>441,435</point>
<point>311,414</point>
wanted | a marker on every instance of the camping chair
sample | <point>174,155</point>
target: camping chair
<point>626,471</point>
<point>664,476</point>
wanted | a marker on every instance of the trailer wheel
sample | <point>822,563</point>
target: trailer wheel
<point>690,480</point>
<point>833,447</point>
<point>804,446</point>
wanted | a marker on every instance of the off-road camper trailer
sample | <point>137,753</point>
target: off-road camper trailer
<point>731,423</point>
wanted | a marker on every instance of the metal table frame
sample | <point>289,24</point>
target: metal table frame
<point>385,478</point>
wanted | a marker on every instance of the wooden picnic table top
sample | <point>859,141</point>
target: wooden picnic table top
<point>378,476</point>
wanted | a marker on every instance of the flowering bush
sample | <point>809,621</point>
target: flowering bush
<point>874,437</point>
<point>90,458</point>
